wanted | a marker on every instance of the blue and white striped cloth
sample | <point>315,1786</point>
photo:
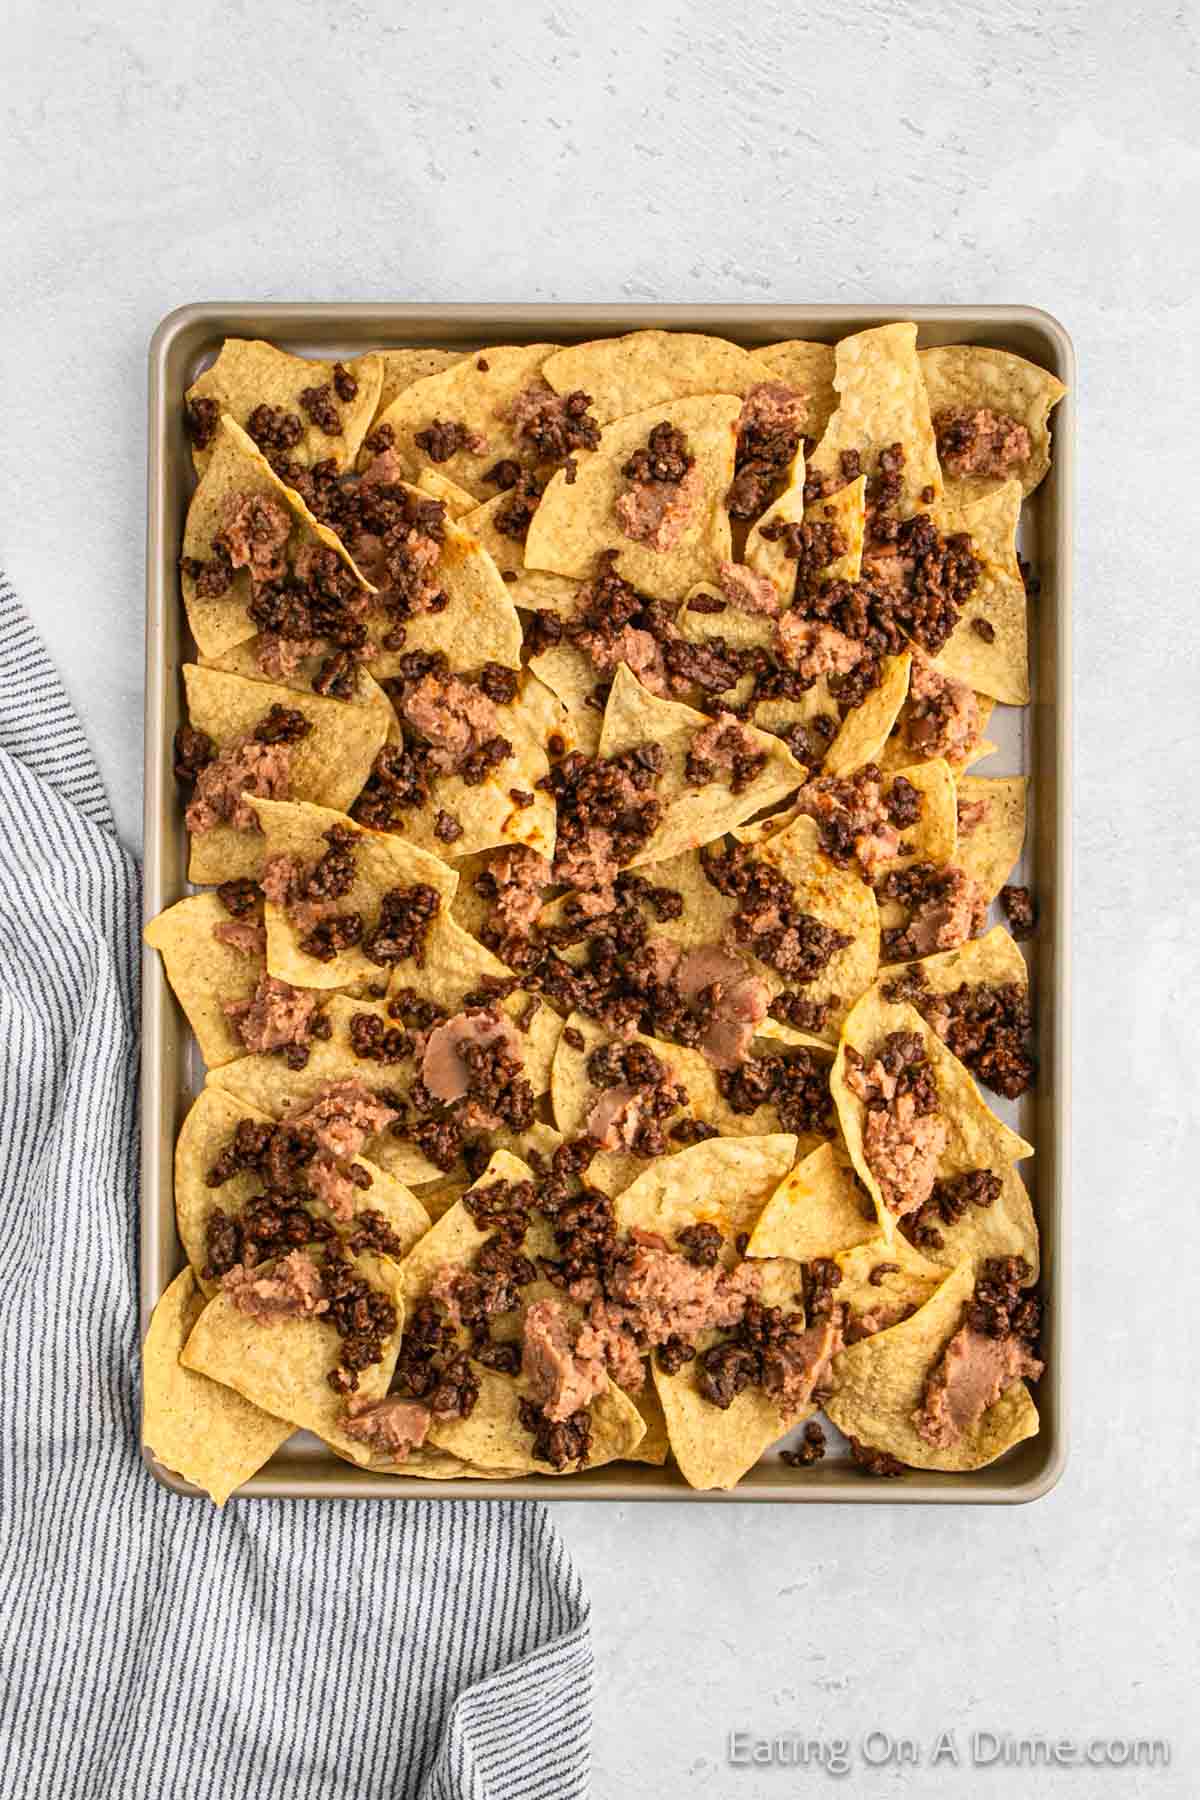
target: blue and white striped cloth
<point>149,1645</point>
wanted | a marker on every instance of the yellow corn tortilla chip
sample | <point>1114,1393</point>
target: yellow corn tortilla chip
<point>866,728</point>
<point>455,499</point>
<point>479,624</point>
<point>846,509</point>
<point>382,860</point>
<point>487,812</point>
<point>242,659</point>
<point>476,391</point>
<point>881,401</point>
<point>1001,667</point>
<point>210,1124</point>
<point>329,766</point>
<point>993,958</point>
<point>808,368</point>
<point>250,373</point>
<point>692,816</point>
<point>493,1437</point>
<point>932,839</point>
<point>650,368</point>
<point>990,850</point>
<point>835,897</point>
<point>437,1197</point>
<point>533,589</point>
<point>724,1182</point>
<point>283,1366</point>
<point>817,1210</point>
<point>879,1384</point>
<point>400,368</point>
<point>976,1138</point>
<point>267,1083</point>
<point>571,677</point>
<point>204,973</point>
<point>897,753</point>
<point>455,1239</point>
<point>199,1428</point>
<point>573,1097</point>
<point>575,521</point>
<point>655,1446</point>
<point>715,1446</point>
<point>969,378</point>
<point>236,466</point>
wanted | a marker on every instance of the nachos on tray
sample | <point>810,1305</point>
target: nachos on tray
<point>593,962</point>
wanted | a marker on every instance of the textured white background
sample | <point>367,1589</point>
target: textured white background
<point>693,150</point>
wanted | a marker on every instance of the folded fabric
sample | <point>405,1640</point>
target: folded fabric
<point>149,1645</point>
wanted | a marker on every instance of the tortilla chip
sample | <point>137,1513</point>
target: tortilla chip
<point>993,958</point>
<point>835,897</point>
<point>866,728</point>
<point>383,860</point>
<point>715,1446</point>
<point>486,810</point>
<point>897,753</point>
<point>655,1447</point>
<point>692,816</point>
<point>573,1097</point>
<point>400,368</point>
<point>816,1210</point>
<point>880,1382</point>
<point>250,373</point>
<point>204,973</point>
<point>967,378</point>
<point>477,391</point>
<point>724,1182</point>
<point>437,1197</point>
<point>236,466</point>
<point>1001,667</point>
<point>571,677</point>
<point>210,1124</point>
<point>242,660</point>
<point>267,1083</point>
<point>647,369</point>
<point>455,499</point>
<point>575,522</point>
<point>479,623</point>
<point>327,767</point>
<point>991,850</point>
<point>283,1366</point>
<point>881,401</point>
<point>198,1428</point>
<point>808,368</point>
<point>494,1438</point>
<point>976,1138</point>
<point>846,509</point>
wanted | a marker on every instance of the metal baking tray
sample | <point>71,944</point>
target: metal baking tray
<point>1034,741</point>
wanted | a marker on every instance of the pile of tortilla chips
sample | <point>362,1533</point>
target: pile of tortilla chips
<point>574,763</point>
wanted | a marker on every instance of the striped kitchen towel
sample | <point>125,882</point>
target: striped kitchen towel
<point>149,1645</point>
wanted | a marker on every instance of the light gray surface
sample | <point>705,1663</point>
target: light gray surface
<point>992,152</point>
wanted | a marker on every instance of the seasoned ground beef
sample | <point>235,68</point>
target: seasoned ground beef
<point>444,438</point>
<point>554,425</point>
<point>398,783</point>
<point>1018,909</point>
<point>796,1085</point>
<point>406,914</point>
<point>558,1442</point>
<point>701,1244</point>
<point>321,407</point>
<point>810,1449</point>
<point>768,438</point>
<point>372,1039</point>
<point>201,418</point>
<point>606,812</point>
<point>945,907</point>
<point>344,384</point>
<point>241,898</point>
<point>194,750</point>
<point>869,1461</point>
<point>512,520</point>
<point>986,1026</point>
<point>364,1318</point>
<point>768,921</point>
<point>274,429</point>
<point>282,725</point>
<point>663,489</point>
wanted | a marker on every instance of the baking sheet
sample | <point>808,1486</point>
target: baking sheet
<point>1034,741</point>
